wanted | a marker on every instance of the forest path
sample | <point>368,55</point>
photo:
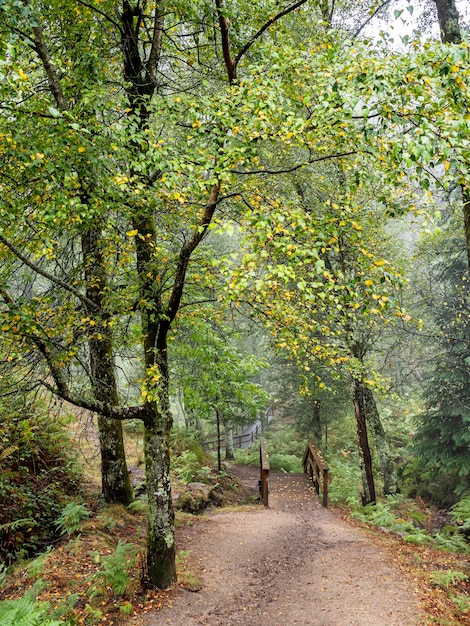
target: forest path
<point>293,563</point>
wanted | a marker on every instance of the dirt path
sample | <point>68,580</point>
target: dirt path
<point>294,563</point>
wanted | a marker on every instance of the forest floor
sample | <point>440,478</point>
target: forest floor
<point>292,563</point>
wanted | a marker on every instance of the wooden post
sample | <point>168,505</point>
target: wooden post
<point>264,472</point>
<point>325,487</point>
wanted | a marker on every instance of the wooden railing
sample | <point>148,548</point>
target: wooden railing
<point>249,435</point>
<point>315,466</point>
<point>264,472</point>
<point>242,440</point>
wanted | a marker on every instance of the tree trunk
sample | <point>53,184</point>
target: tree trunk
<point>449,25</point>
<point>448,17</point>
<point>219,460</point>
<point>161,568</point>
<point>387,465</point>
<point>115,481</point>
<point>229,447</point>
<point>369,491</point>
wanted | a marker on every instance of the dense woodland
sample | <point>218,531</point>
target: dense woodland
<point>210,209</point>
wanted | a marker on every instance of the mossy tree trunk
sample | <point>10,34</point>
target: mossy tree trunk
<point>387,466</point>
<point>115,481</point>
<point>229,447</point>
<point>161,565</point>
<point>368,474</point>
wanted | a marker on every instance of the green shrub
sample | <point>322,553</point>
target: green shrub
<point>288,463</point>
<point>345,485</point>
<point>37,476</point>
<point>285,449</point>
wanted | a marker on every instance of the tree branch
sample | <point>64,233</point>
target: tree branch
<point>298,166</point>
<point>185,255</point>
<point>264,28</point>
<point>61,388</point>
<point>57,281</point>
<point>94,8</point>
<point>371,17</point>
<point>230,65</point>
<point>52,76</point>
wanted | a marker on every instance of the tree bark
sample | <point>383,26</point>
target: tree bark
<point>448,17</point>
<point>387,465</point>
<point>115,481</point>
<point>229,447</point>
<point>369,491</point>
<point>161,568</point>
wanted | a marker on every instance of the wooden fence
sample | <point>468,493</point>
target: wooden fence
<point>315,466</point>
<point>249,435</point>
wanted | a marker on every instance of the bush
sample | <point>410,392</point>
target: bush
<point>285,449</point>
<point>37,476</point>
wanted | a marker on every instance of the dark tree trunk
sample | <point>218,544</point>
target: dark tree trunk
<point>115,481</point>
<point>448,17</point>
<point>387,465</point>
<point>369,492</point>
<point>449,25</point>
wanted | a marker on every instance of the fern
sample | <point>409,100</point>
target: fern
<point>71,518</point>
<point>460,513</point>
<point>17,524</point>
<point>452,542</point>
<point>114,573</point>
<point>26,612</point>
<point>448,578</point>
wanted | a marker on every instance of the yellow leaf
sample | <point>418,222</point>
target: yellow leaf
<point>132,233</point>
<point>81,149</point>
<point>22,75</point>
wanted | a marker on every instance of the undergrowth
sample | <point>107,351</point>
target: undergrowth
<point>285,449</point>
<point>37,477</point>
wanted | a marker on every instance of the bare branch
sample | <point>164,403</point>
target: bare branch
<point>265,27</point>
<point>38,270</point>
<point>371,17</point>
<point>294,168</point>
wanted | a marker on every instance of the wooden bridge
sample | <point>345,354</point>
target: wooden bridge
<point>313,464</point>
